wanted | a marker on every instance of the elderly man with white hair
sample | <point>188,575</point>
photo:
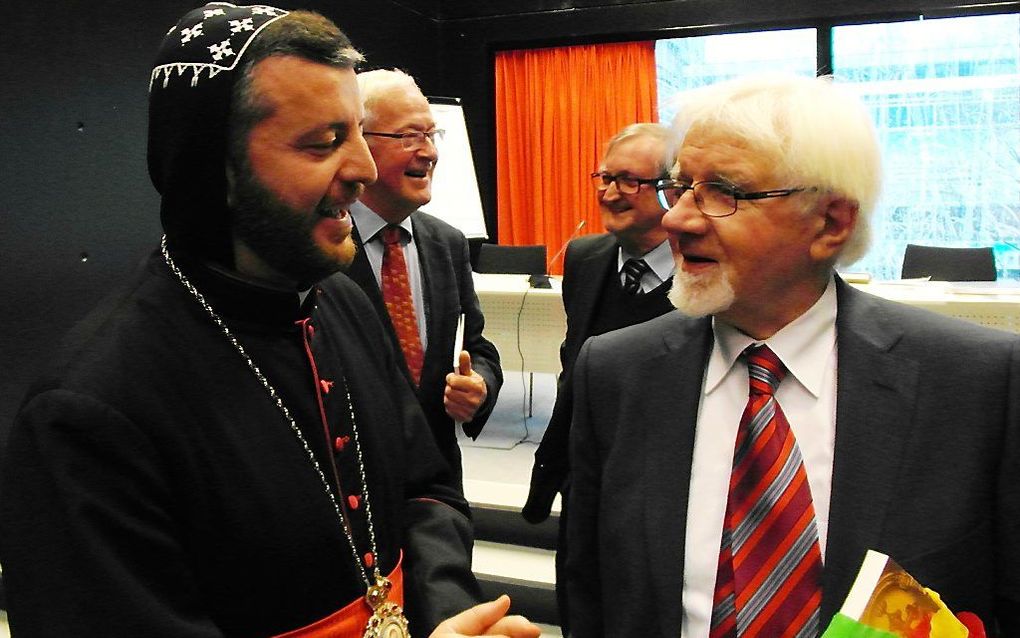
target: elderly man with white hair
<point>732,462</point>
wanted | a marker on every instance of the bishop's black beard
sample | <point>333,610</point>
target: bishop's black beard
<point>280,235</point>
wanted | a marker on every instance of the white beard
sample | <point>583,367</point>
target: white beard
<point>701,295</point>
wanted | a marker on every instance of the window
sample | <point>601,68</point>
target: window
<point>945,97</point>
<point>682,64</point>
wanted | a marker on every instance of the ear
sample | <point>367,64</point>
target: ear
<point>839,219</point>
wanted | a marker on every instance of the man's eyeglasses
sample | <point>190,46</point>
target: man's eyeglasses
<point>714,199</point>
<point>414,140</point>
<point>624,183</point>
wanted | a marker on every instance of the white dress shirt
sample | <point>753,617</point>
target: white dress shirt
<point>807,346</point>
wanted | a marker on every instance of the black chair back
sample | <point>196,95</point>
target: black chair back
<point>949,264</point>
<point>514,260</point>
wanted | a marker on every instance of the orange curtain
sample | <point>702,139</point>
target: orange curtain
<point>555,110</point>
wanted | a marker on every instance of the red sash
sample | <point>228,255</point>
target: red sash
<point>350,621</point>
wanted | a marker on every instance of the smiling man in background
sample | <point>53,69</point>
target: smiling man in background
<point>416,268</point>
<point>610,280</point>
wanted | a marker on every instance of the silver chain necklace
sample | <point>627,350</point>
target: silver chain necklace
<point>387,618</point>
<point>293,424</point>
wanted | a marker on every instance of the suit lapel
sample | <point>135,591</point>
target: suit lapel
<point>592,272</point>
<point>876,392</point>
<point>674,394</point>
<point>435,264</point>
<point>361,272</point>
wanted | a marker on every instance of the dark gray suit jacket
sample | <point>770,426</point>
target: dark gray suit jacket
<point>449,291</point>
<point>589,261</point>
<point>926,468</point>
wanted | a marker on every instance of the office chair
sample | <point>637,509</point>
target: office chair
<point>514,260</point>
<point>948,264</point>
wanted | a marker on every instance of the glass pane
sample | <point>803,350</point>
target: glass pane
<point>687,63</point>
<point>945,97</point>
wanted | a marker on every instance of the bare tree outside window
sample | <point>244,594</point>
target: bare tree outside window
<point>945,97</point>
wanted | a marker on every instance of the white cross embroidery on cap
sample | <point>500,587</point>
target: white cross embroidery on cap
<point>243,26</point>
<point>193,32</point>
<point>221,50</point>
<point>237,26</point>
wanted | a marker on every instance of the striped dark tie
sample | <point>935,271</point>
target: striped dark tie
<point>633,271</point>
<point>770,565</point>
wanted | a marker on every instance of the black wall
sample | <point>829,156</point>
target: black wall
<point>77,211</point>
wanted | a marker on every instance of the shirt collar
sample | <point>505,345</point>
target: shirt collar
<point>659,259</point>
<point>803,345</point>
<point>369,222</point>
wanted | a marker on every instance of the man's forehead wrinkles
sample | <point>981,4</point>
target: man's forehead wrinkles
<point>718,159</point>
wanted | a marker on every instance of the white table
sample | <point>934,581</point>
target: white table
<point>993,304</point>
<point>526,324</point>
<point>530,321</point>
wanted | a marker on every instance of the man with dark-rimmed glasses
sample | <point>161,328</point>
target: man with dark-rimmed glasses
<point>610,280</point>
<point>732,463</point>
<point>405,249</point>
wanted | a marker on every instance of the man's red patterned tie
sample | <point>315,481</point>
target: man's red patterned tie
<point>770,566</point>
<point>396,292</point>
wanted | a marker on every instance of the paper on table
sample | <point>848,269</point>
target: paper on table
<point>458,345</point>
<point>914,281</point>
<point>855,277</point>
<point>1000,287</point>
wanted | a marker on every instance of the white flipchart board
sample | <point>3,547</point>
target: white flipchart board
<point>455,197</point>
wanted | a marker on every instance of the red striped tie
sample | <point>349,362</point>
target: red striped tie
<point>396,292</point>
<point>770,567</point>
